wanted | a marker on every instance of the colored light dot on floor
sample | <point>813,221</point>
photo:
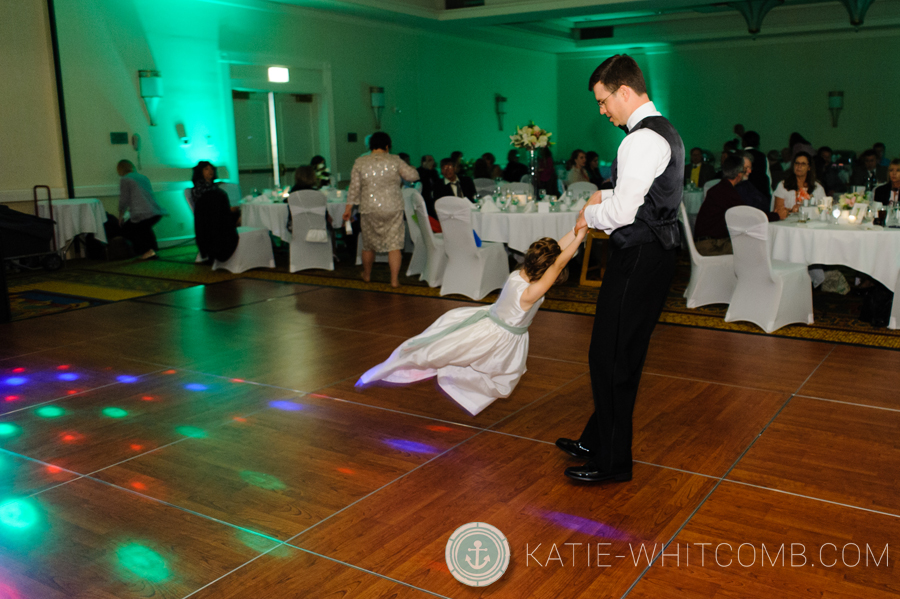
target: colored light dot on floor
<point>136,447</point>
<point>53,469</point>
<point>126,378</point>
<point>288,406</point>
<point>139,486</point>
<point>17,370</point>
<point>238,381</point>
<point>50,412</point>
<point>170,372</point>
<point>191,431</point>
<point>62,367</point>
<point>8,430</point>
<point>439,429</point>
<point>15,381</point>
<point>68,376</point>
<point>71,392</point>
<point>18,514</point>
<point>147,398</point>
<point>239,419</point>
<point>143,562</point>
<point>195,387</point>
<point>69,438</point>
<point>114,412</point>
<point>345,471</point>
<point>11,398</point>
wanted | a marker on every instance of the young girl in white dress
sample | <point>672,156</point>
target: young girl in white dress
<point>478,354</point>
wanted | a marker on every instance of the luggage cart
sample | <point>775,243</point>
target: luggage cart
<point>31,237</point>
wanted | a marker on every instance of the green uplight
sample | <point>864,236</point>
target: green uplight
<point>18,514</point>
<point>143,562</point>
<point>50,412</point>
<point>262,480</point>
<point>191,431</point>
<point>8,430</point>
<point>114,413</point>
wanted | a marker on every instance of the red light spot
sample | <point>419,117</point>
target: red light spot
<point>17,370</point>
<point>147,398</point>
<point>71,392</point>
<point>11,397</point>
<point>68,437</point>
<point>136,447</point>
<point>170,372</point>
<point>62,367</point>
<point>238,381</point>
<point>318,395</point>
<point>439,429</point>
<point>54,469</point>
<point>240,419</point>
<point>345,471</point>
<point>139,486</point>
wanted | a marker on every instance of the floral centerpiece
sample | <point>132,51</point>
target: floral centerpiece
<point>848,200</point>
<point>530,137</point>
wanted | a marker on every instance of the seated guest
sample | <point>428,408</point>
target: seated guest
<point>547,172</point>
<point>481,169</point>
<point>404,157</point>
<point>514,170</point>
<point>496,171</point>
<point>593,168</point>
<point>215,221</point>
<point>867,173</point>
<point>710,231</point>
<point>698,171</point>
<point>429,177</point>
<point>826,174</point>
<point>750,195</point>
<point>760,176</point>
<point>453,185</point>
<point>305,177</point>
<point>890,191</point>
<point>728,148</point>
<point>799,184</point>
<point>318,163</point>
<point>136,198</point>
<point>576,167</point>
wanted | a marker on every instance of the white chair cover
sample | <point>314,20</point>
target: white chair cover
<point>517,187</point>
<point>581,187</point>
<point>419,253</point>
<point>471,271</point>
<point>712,277</point>
<point>769,293</point>
<point>308,208</point>
<point>435,257</point>
<point>708,185</point>
<point>254,250</point>
<point>189,198</point>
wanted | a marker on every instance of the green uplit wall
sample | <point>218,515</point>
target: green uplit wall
<point>441,87</point>
<point>774,88</point>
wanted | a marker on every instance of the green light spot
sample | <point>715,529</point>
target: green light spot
<point>143,562</point>
<point>18,514</point>
<point>8,430</point>
<point>191,431</point>
<point>257,541</point>
<point>50,412</point>
<point>114,413</point>
<point>263,481</point>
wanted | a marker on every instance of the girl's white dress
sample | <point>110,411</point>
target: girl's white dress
<point>478,354</point>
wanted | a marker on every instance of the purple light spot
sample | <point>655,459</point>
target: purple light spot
<point>288,406</point>
<point>126,378</point>
<point>404,445</point>
<point>68,376</point>
<point>584,525</point>
<point>195,387</point>
<point>15,381</point>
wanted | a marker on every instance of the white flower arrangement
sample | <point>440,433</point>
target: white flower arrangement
<point>530,137</point>
<point>848,200</point>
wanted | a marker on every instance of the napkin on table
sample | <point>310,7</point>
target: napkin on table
<point>489,207</point>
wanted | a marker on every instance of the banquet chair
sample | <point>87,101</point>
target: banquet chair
<point>517,187</point>
<point>525,179</point>
<point>435,257</point>
<point>471,270</point>
<point>712,277</point>
<point>581,187</point>
<point>769,293</point>
<point>708,185</point>
<point>484,186</point>
<point>308,208</point>
<point>419,253</point>
<point>254,250</point>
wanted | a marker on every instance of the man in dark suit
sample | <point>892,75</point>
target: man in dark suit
<point>867,173</point>
<point>698,171</point>
<point>514,170</point>
<point>760,177</point>
<point>429,177</point>
<point>453,185</point>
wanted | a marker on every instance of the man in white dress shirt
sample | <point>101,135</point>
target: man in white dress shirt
<point>640,216</point>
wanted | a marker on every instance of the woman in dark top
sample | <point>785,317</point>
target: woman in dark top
<point>593,168</point>
<point>215,223</point>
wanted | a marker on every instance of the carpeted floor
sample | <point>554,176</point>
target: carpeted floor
<point>93,282</point>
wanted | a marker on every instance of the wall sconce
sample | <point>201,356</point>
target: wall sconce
<point>835,104</point>
<point>182,134</point>
<point>500,107</point>
<point>377,94</point>
<point>151,92</point>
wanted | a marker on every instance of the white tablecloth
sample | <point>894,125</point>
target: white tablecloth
<point>520,230</point>
<point>73,217</point>
<point>273,215</point>
<point>876,253</point>
<point>692,200</point>
<point>336,204</point>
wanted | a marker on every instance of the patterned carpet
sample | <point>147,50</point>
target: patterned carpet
<point>93,282</point>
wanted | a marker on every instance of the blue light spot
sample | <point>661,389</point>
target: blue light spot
<point>126,378</point>
<point>16,381</point>
<point>195,387</point>
<point>68,376</point>
<point>404,445</point>
<point>288,406</point>
<point>583,525</point>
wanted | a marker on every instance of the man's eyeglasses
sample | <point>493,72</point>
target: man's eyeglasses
<point>602,103</point>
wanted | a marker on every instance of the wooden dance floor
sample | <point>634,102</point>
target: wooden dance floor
<point>210,443</point>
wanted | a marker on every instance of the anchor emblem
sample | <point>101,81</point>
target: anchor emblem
<point>478,550</point>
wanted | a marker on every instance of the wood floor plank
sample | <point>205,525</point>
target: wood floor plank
<point>859,375</point>
<point>833,451</point>
<point>691,425</point>
<point>20,477</point>
<point>516,485</point>
<point>226,295</point>
<point>826,542</point>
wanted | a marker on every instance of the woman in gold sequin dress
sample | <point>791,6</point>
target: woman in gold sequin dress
<point>375,185</point>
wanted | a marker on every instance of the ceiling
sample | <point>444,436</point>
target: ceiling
<point>562,26</point>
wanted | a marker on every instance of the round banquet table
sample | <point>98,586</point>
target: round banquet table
<point>519,230</point>
<point>875,252</point>
<point>270,215</point>
<point>73,217</point>
<point>692,200</point>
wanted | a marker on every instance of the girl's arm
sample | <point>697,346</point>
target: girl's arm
<point>538,288</point>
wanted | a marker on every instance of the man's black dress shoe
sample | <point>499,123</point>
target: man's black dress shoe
<point>573,448</point>
<point>590,474</point>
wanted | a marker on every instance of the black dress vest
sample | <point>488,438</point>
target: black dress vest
<point>657,218</point>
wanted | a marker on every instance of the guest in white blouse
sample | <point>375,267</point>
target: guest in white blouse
<point>890,191</point>
<point>799,184</point>
<point>576,167</point>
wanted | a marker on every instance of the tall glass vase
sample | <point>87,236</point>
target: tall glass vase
<point>533,172</point>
